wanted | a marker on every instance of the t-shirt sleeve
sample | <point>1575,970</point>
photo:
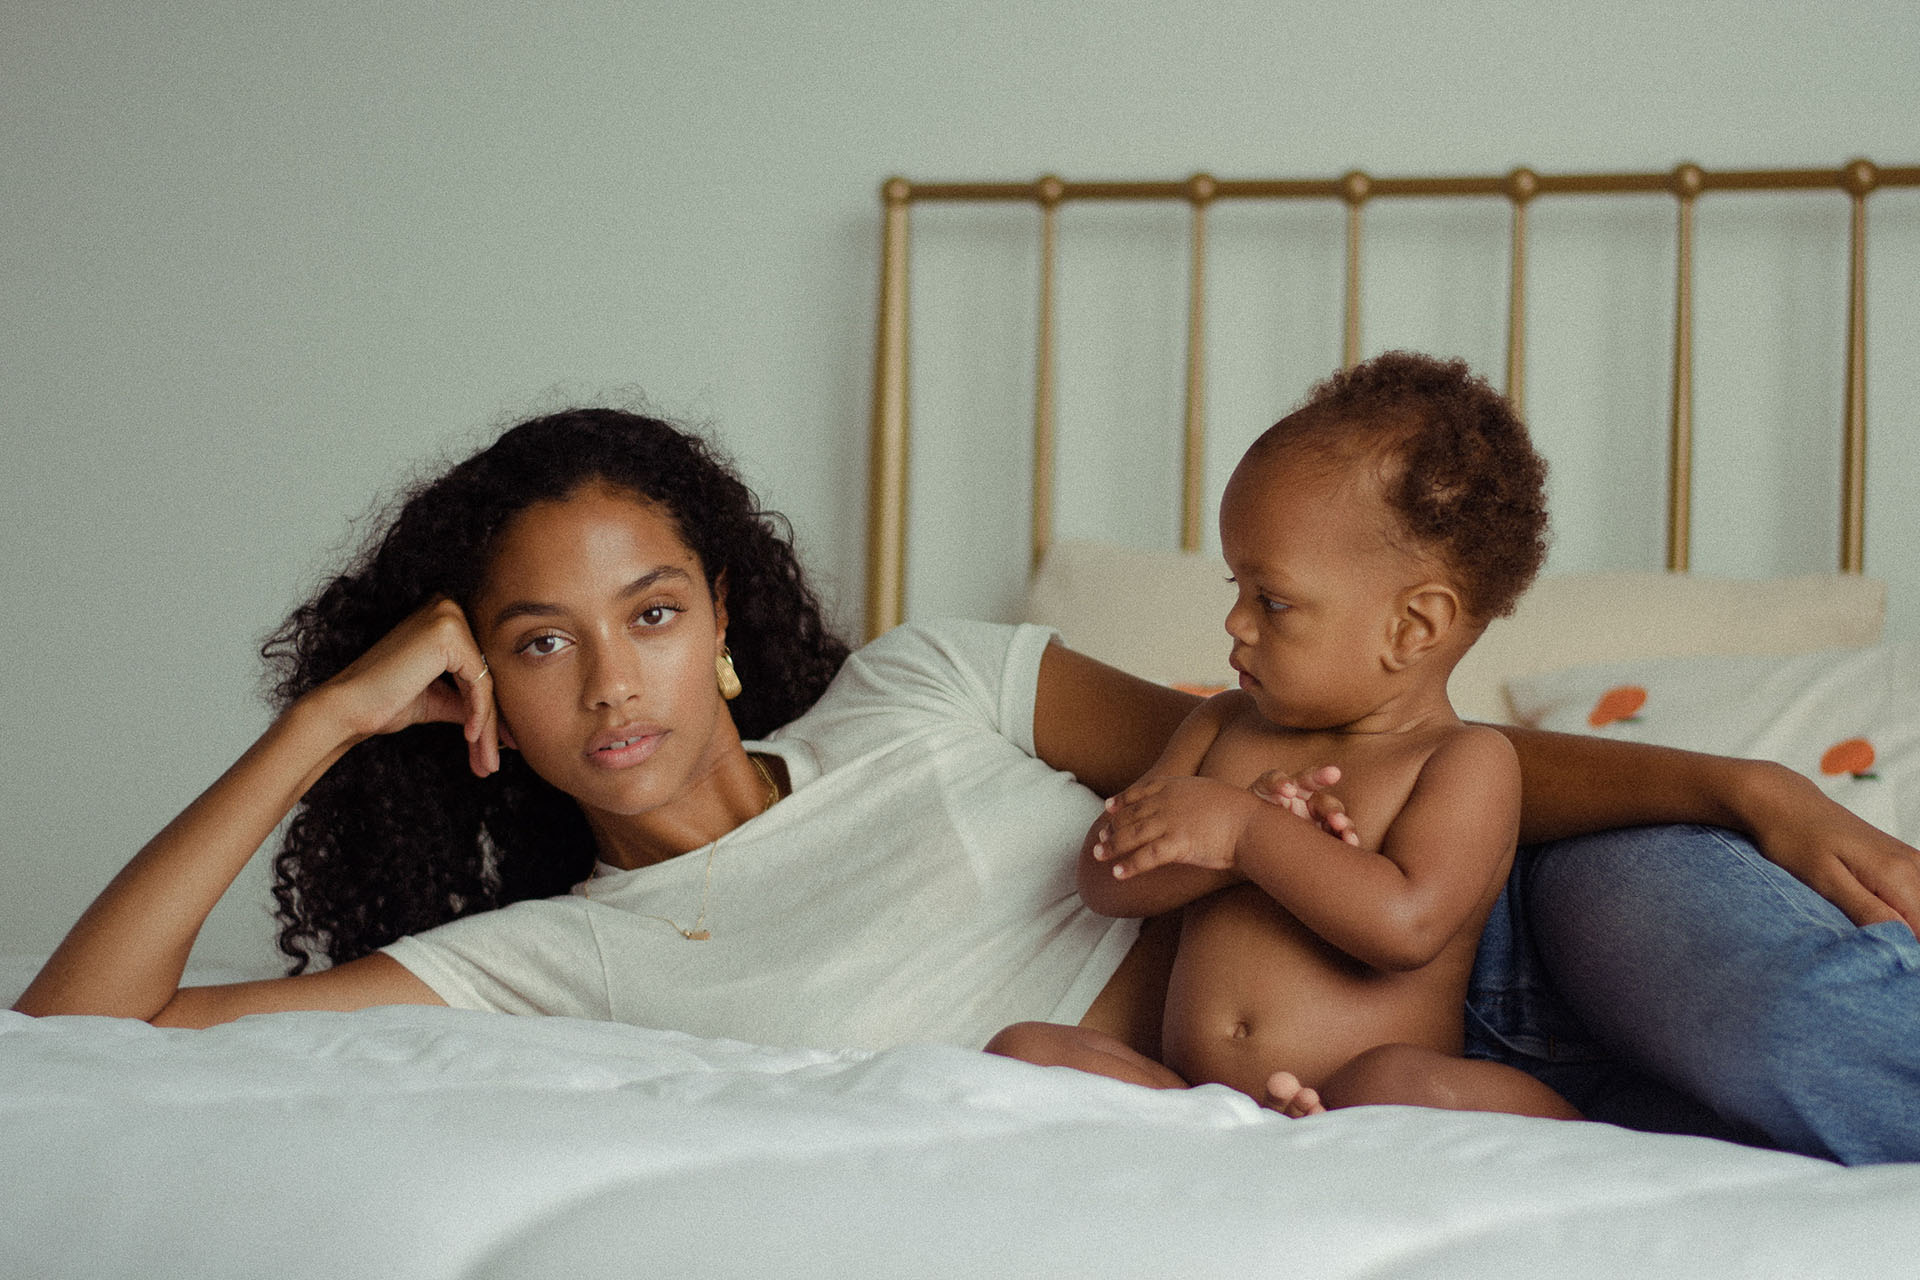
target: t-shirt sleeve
<point>536,957</point>
<point>951,669</point>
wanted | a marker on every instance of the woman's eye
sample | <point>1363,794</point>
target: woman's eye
<point>655,615</point>
<point>544,646</point>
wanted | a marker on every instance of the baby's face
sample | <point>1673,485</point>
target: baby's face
<point>1320,582</point>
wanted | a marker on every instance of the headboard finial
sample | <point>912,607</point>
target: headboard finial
<point>1860,177</point>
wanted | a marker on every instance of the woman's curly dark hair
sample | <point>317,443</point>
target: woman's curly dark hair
<point>1458,470</point>
<point>399,836</point>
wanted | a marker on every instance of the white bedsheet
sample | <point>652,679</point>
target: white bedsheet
<point>433,1142</point>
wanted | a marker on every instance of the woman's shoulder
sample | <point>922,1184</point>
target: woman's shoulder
<point>949,654</point>
<point>944,668</point>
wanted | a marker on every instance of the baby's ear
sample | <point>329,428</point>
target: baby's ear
<point>1428,614</point>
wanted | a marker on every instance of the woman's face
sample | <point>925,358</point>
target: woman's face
<point>597,623</point>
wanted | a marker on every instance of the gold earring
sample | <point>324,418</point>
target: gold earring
<point>725,675</point>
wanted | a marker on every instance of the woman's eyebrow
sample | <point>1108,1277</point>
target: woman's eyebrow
<point>540,609</point>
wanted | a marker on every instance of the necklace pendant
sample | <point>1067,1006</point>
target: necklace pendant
<point>697,935</point>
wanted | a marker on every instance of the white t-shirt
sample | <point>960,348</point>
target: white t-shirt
<point>917,885</point>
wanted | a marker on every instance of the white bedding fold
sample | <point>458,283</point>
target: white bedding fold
<point>432,1142</point>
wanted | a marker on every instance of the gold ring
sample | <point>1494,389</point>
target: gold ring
<point>483,671</point>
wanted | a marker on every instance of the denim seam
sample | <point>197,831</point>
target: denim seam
<point>1755,864</point>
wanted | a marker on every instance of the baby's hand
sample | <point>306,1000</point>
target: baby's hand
<point>1195,821</point>
<point>1304,795</point>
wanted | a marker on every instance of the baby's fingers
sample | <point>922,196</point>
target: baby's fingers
<point>1156,852</point>
<point>1331,816</point>
<point>1134,794</point>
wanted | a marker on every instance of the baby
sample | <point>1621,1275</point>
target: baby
<point>1372,534</point>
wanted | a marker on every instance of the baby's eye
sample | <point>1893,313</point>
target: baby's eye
<point>656,615</point>
<point>545,645</point>
<point>1265,601</point>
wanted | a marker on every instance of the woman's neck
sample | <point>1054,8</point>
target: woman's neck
<point>728,794</point>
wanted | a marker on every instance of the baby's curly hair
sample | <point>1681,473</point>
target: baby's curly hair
<point>399,836</point>
<point>1456,467</point>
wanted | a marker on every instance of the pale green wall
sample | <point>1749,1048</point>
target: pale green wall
<point>258,260</point>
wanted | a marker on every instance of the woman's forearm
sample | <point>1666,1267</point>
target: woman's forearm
<point>1573,784</point>
<point>125,956</point>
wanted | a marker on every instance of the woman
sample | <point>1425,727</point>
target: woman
<point>891,859</point>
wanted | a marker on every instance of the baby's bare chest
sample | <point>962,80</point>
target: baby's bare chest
<point>1376,773</point>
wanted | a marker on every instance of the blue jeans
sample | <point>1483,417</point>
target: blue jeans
<point>1672,979</point>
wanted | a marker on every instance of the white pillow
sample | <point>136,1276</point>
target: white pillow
<point>1569,619</point>
<point>1161,614</point>
<point>1848,719</point>
<point>1158,614</point>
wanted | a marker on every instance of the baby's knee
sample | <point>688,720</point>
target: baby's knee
<point>1401,1075</point>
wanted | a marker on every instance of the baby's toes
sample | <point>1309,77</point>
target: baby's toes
<point>1289,1097</point>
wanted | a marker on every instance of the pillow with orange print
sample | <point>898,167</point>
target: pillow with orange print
<point>1847,718</point>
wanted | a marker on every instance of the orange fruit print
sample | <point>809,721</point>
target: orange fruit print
<point>1617,704</point>
<point>1854,756</point>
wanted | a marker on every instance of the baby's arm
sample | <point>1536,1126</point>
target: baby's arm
<point>1174,884</point>
<point>1393,909</point>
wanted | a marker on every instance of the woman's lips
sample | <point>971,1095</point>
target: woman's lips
<point>626,747</point>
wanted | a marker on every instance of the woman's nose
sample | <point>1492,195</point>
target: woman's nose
<point>613,675</point>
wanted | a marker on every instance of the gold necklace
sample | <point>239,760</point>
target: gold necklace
<point>699,932</point>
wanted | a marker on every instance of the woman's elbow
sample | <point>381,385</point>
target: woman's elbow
<point>1106,895</point>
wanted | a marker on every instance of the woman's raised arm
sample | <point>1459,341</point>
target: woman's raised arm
<point>1572,784</point>
<point>126,955</point>
<point>1100,724</point>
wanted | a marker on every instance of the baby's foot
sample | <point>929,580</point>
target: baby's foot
<point>1289,1097</point>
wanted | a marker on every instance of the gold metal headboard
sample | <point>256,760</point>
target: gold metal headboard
<point>887,516</point>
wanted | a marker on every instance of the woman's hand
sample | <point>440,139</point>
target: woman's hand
<point>1305,795</point>
<point>1868,874</point>
<point>427,670</point>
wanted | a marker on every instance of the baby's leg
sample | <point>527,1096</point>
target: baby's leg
<point>1416,1076</point>
<point>1050,1044</point>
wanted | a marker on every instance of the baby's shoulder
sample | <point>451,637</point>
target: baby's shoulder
<point>1471,758</point>
<point>1474,742</point>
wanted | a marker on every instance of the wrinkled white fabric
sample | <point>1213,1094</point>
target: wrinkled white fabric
<point>439,1144</point>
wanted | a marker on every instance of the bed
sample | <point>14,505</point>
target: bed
<point>439,1143</point>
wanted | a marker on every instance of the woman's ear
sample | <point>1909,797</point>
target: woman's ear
<point>1427,615</point>
<point>719,594</point>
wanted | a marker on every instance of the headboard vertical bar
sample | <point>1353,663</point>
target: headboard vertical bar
<point>1048,190</point>
<point>1193,468</point>
<point>1354,189</point>
<point>1860,179</point>
<point>1522,186</point>
<point>887,476</point>
<point>1688,182</point>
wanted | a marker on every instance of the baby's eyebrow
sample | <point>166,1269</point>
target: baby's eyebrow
<point>542,609</point>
